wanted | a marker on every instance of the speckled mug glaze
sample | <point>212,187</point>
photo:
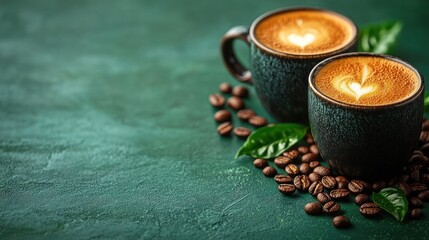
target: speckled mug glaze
<point>280,78</point>
<point>369,142</point>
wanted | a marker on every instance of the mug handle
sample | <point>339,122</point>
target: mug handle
<point>230,60</point>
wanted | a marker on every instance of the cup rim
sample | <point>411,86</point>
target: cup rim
<point>321,64</point>
<point>291,55</point>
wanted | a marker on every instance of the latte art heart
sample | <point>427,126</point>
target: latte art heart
<point>347,85</point>
<point>360,90</point>
<point>301,40</point>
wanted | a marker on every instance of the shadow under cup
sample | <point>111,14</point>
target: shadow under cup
<point>367,142</point>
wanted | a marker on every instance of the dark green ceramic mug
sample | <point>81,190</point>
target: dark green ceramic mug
<point>284,46</point>
<point>365,113</point>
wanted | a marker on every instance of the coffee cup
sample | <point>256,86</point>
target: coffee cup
<point>365,113</point>
<point>285,45</point>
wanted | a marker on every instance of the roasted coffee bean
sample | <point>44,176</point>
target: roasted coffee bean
<point>424,137</point>
<point>309,157</point>
<point>292,169</point>
<point>314,177</point>
<point>329,182</point>
<point>342,182</point>
<point>216,100</point>
<point>235,103</point>
<point>222,116</point>
<point>341,222</point>
<point>362,198</point>
<point>313,208</point>
<point>339,193</point>
<point>356,186</point>
<point>240,91</point>
<point>331,207</point>
<point>245,114</point>
<point>323,197</point>
<point>415,213</point>
<point>224,128</point>
<point>415,176</point>
<point>369,209</point>
<point>281,179</point>
<point>309,139</point>
<point>322,170</point>
<point>225,87</point>
<point>269,171</point>
<point>417,152</point>
<point>292,154</point>
<point>260,163</point>
<point>314,149</point>
<point>286,188</point>
<point>314,164</point>
<point>242,132</point>
<point>417,187</point>
<point>315,188</point>
<point>303,149</point>
<point>416,202</point>
<point>302,182</point>
<point>342,185</point>
<point>258,121</point>
<point>378,185</point>
<point>305,168</point>
<point>341,178</point>
<point>405,188</point>
<point>416,158</point>
<point>424,195</point>
<point>282,161</point>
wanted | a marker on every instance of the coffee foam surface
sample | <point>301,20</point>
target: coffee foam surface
<point>367,81</point>
<point>305,32</point>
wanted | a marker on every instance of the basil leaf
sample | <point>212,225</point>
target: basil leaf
<point>379,37</point>
<point>393,200</point>
<point>271,141</point>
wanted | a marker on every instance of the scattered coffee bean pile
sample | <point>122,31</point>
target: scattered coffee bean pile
<point>304,173</point>
<point>236,103</point>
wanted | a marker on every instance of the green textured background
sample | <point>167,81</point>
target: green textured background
<point>106,131</point>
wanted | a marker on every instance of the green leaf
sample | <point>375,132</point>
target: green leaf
<point>426,101</point>
<point>393,200</point>
<point>379,37</point>
<point>271,141</point>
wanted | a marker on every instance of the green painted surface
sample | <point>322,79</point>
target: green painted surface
<point>106,132</point>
